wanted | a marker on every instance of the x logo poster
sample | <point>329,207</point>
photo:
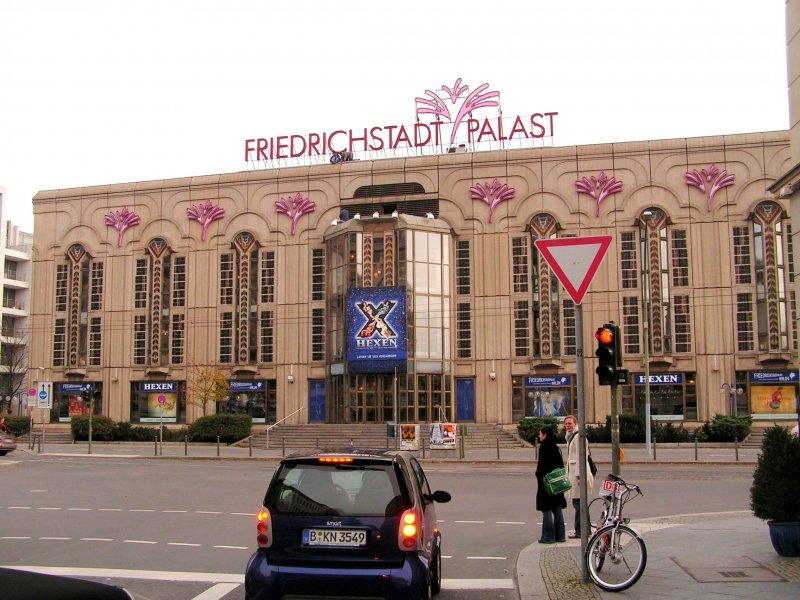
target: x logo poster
<point>376,329</point>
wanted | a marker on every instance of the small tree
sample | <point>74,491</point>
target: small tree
<point>204,385</point>
<point>14,360</point>
<point>775,493</point>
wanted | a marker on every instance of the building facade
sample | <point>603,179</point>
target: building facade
<point>411,289</point>
<point>15,256</point>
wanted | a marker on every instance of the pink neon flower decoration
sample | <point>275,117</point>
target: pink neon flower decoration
<point>295,207</point>
<point>121,220</point>
<point>492,194</point>
<point>699,179</point>
<point>205,214</point>
<point>456,91</point>
<point>436,106</point>
<point>475,100</point>
<point>599,188</point>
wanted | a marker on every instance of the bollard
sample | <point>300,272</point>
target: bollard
<point>736,446</point>
<point>498,448</point>
<point>155,448</point>
<point>186,445</point>
<point>423,446</point>
<point>655,452</point>
<point>217,445</point>
<point>461,446</point>
<point>250,443</point>
<point>695,448</point>
<point>283,446</point>
<point>39,438</point>
<point>535,449</point>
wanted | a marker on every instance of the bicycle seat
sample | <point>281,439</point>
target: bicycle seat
<point>613,477</point>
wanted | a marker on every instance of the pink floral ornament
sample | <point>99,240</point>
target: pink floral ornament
<point>492,194</point>
<point>121,220</point>
<point>599,188</point>
<point>205,214</point>
<point>699,179</point>
<point>295,207</point>
<point>475,100</point>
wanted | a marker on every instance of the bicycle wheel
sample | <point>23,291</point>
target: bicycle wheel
<point>615,558</point>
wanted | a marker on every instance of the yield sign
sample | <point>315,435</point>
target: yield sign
<point>574,261</point>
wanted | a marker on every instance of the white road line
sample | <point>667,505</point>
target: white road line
<point>142,510</point>
<point>138,542</point>
<point>55,538</point>
<point>97,539</point>
<point>486,558</point>
<point>110,509</point>
<point>207,512</point>
<point>243,514</point>
<point>174,511</point>
<point>15,537</point>
<point>48,508</point>
<point>510,522</point>
<point>218,591</point>
<point>238,578</point>
<point>183,544</point>
<point>21,507</point>
<point>79,509</point>
<point>232,547</point>
<point>474,522</point>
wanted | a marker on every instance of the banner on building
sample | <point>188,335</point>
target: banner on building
<point>409,437</point>
<point>444,436</point>
<point>376,330</point>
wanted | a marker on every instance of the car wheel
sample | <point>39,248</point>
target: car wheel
<point>436,574</point>
<point>427,593</point>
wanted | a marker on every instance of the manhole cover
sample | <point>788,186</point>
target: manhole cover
<point>722,569</point>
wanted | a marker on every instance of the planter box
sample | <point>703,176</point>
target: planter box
<point>785,538</point>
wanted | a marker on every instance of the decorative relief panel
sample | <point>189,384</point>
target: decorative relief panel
<point>713,176</point>
<point>121,220</point>
<point>599,188</point>
<point>205,214</point>
<point>295,207</point>
<point>492,194</point>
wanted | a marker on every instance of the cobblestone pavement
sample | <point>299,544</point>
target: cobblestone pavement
<point>562,575</point>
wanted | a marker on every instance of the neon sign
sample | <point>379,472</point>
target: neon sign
<point>437,135</point>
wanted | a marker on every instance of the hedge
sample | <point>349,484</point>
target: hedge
<point>229,428</point>
<point>18,425</point>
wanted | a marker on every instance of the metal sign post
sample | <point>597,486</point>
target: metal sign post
<point>583,491</point>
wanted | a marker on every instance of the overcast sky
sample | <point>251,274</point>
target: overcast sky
<point>97,92</point>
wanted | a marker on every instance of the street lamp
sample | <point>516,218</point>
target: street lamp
<point>732,391</point>
<point>644,219</point>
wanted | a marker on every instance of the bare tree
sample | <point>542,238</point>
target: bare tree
<point>13,365</point>
<point>204,385</point>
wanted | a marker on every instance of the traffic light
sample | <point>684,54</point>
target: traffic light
<point>86,395</point>
<point>609,351</point>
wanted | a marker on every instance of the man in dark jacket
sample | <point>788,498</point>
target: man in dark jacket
<point>551,506</point>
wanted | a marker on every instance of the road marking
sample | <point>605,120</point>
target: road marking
<point>21,507</point>
<point>47,508</point>
<point>55,538</point>
<point>207,512</point>
<point>244,514</point>
<point>183,544</point>
<point>486,558</point>
<point>138,542</point>
<point>510,522</point>
<point>473,522</point>
<point>79,509</point>
<point>110,509</point>
<point>97,539</point>
<point>174,511</point>
<point>15,537</point>
<point>238,578</point>
<point>232,547</point>
<point>218,591</point>
<point>142,510</point>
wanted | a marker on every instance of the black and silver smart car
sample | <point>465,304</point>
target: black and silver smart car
<point>347,524</point>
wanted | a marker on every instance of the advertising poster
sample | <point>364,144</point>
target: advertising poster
<point>773,399</point>
<point>376,329</point>
<point>409,437</point>
<point>443,436</point>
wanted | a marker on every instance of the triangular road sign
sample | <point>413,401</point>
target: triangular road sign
<point>574,261</point>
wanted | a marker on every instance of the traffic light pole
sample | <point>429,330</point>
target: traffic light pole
<point>614,431</point>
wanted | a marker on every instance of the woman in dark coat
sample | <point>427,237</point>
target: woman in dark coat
<point>551,506</point>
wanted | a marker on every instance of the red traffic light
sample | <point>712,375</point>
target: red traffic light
<point>604,335</point>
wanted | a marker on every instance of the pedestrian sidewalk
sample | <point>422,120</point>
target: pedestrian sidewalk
<point>710,556</point>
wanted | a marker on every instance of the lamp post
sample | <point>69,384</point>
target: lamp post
<point>732,391</point>
<point>645,217</point>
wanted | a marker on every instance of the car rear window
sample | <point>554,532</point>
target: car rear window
<point>354,489</point>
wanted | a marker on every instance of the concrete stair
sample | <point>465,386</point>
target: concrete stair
<point>53,434</point>
<point>327,435</point>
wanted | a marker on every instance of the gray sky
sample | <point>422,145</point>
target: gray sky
<point>96,92</point>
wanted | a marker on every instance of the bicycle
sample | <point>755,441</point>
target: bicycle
<point>615,554</point>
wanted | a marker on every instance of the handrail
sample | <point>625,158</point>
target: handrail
<point>276,423</point>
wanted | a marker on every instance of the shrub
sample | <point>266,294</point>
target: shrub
<point>18,426</point>
<point>102,427</point>
<point>229,428</point>
<point>528,428</point>
<point>724,428</point>
<point>775,492</point>
<point>599,434</point>
<point>669,433</point>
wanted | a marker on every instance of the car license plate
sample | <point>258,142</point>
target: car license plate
<point>334,537</point>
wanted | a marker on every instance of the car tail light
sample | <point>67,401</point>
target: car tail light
<point>335,459</point>
<point>264,528</point>
<point>409,534</point>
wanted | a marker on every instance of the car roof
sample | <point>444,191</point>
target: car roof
<point>349,451</point>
